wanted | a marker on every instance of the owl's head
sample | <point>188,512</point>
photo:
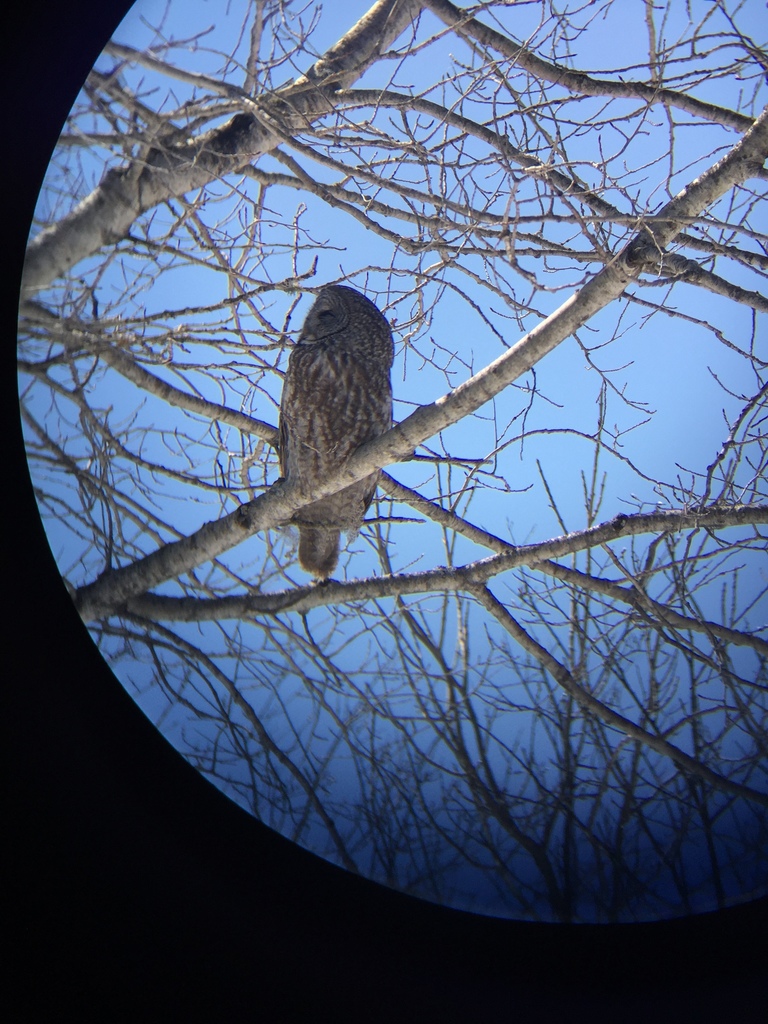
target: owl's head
<point>336,309</point>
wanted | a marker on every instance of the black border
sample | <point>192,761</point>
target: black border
<point>138,889</point>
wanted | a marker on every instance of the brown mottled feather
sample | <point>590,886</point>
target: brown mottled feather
<point>336,396</point>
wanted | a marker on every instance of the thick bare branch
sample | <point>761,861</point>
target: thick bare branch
<point>119,587</point>
<point>107,213</point>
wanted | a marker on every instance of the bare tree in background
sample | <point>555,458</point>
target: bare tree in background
<point>537,685</point>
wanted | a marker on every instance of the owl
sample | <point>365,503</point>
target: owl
<point>337,395</point>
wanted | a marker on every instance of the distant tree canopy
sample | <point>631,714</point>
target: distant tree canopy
<point>536,684</point>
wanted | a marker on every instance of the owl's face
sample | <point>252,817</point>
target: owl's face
<point>328,315</point>
<point>337,308</point>
<point>344,322</point>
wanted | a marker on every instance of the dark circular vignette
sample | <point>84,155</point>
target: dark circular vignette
<point>141,889</point>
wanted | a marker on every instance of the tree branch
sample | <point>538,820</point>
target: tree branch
<point>76,336</point>
<point>106,215</point>
<point>563,678</point>
<point>98,599</point>
<point>468,27</point>
<point>281,502</point>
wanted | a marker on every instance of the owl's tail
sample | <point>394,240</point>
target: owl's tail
<point>318,550</point>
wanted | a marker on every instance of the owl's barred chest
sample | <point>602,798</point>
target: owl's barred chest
<point>314,367</point>
<point>336,385</point>
<point>335,402</point>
